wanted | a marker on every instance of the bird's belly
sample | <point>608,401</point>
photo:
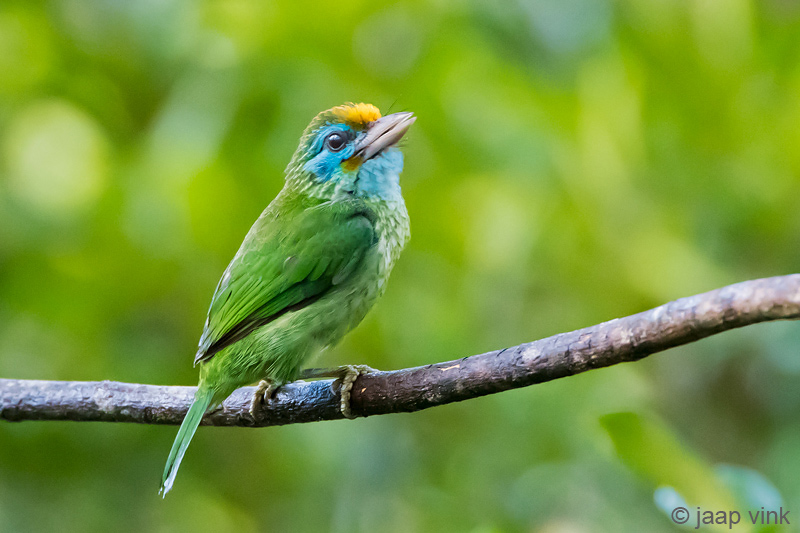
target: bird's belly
<point>328,319</point>
<point>280,349</point>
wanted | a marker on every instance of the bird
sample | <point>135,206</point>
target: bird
<point>310,268</point>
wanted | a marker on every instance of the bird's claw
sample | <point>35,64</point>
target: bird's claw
<point>349,375</point>
<point>265,392</point>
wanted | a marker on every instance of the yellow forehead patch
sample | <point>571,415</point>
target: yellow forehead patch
<point>358,114</point>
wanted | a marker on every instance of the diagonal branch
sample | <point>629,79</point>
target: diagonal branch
<point>412,389</point>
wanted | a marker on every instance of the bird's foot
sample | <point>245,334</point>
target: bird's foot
<point>351,373</point>
<point>265,392</point>
<point>347,374</point>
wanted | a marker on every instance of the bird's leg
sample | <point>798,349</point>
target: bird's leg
<point>347,374</point>
<point>266,391</point>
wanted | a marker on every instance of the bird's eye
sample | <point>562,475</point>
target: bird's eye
<point>335,141</point>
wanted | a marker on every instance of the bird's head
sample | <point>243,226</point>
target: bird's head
<point>349,150</point>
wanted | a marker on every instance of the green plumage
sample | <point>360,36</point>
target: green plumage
<point>311,266</point>
<point>184,437</point>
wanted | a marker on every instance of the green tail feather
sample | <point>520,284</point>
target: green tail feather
<point>201,402</point>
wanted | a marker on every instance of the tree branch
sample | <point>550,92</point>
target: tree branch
<point>412,389</point>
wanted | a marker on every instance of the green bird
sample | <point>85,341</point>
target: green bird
<point>310,268</point>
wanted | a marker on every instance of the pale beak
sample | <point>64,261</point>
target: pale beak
<point>383,133</point>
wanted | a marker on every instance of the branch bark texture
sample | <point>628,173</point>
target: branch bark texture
<point>413,389</point>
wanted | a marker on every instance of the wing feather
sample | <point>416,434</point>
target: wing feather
<point>284,267</point>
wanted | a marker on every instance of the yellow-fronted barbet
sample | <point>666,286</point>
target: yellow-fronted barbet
<point>309,269</point>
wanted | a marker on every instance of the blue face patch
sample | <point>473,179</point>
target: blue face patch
<point>379,177</point>
<point>325,164</point>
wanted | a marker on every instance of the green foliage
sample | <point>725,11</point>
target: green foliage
<point>650,450</point>
<point>572,162</point>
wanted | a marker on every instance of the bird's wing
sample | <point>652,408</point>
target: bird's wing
<point>283,266</point>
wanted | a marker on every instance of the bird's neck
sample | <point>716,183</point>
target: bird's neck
<point>391,215</point>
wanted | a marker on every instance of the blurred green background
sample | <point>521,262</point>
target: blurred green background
<point>573,161</point>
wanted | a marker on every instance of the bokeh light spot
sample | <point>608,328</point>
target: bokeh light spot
<point>57,158</point>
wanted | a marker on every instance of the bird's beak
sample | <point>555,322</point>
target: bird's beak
<point>383,133</point>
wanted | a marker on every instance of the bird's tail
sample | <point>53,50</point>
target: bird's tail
<point>201,402</point>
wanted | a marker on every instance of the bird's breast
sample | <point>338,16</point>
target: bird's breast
<point>392,227</point>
